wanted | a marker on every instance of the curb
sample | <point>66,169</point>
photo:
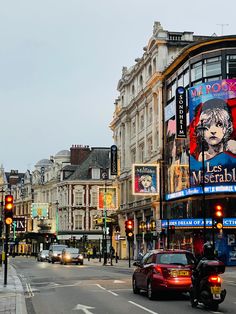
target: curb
<point>20,297</point>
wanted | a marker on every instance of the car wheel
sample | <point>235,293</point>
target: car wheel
<point>82,263</point>
<point>53,262</point>
<point>150,292</point>
<point>136,290</point>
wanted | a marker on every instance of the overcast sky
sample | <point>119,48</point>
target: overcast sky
<point>60,62</point>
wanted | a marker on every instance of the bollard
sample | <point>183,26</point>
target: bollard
<point>88,257</point>
<point>100,257</point>
<point>117,258</point>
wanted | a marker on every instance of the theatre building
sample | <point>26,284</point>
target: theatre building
<point>199,89</point>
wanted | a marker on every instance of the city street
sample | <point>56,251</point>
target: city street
<point>96,289</point>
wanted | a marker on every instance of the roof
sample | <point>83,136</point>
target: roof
<point>98,158</point>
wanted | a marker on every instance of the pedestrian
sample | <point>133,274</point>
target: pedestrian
<point>94,251</point>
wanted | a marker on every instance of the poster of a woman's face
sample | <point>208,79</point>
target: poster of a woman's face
<point>145,179</point>
<point>212,108</point>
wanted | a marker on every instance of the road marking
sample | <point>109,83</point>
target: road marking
<point>142,307</point>
<point>115,294</point>
<point>84,308</point>
<point>119,281</point>
<point>101,287</point>
<point>29,290</point>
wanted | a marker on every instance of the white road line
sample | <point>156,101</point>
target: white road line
<point>115,294</point>
<point>142,307</point>
<point>29,289</point>
<point>101,287</point>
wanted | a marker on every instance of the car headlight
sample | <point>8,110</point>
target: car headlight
<point>67,256</point>
<point>80,256</point>
<point>54,254</point>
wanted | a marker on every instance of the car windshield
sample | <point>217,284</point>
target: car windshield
<point>175,258</point>
<point>44,251</point>
<point>72,250</point>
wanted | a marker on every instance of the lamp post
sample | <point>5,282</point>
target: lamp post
<point>57,218</point>
<point>104,177</point>
<point>202,131</point>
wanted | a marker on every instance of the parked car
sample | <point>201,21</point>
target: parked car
<point>55,251</point>
<point>72,255</point>
<point>43,255</point>
<point>163,270</point>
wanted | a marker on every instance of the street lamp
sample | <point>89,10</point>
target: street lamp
<point>202,129</point>
<point>105,177</point>
<point>57,218</point>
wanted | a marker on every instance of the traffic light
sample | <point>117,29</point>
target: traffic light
<point>172,229</point>
<point>218,217</point>
<point>153,225</point>
<point>8,212</point>
<point>129,229</point>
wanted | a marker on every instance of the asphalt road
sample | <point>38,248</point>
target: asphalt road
<point>57,289</point>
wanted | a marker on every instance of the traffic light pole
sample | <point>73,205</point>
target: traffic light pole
<point>6,253</point>
<point>129,253</point>
<point>213,233</point>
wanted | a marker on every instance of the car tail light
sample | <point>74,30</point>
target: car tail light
<point>157,270</point>
<point>215,279</point>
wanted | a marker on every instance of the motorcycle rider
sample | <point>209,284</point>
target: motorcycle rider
<point>198,273</point>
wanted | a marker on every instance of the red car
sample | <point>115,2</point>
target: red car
<point>163,270</point>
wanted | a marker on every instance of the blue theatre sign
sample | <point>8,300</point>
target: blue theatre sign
<point>197,223</point>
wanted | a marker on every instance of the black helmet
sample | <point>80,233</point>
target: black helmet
<point>208,250</point>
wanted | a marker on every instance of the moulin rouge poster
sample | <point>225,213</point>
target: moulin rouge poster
<point>212,110</point>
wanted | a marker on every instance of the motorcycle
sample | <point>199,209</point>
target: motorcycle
<point>209,290</point>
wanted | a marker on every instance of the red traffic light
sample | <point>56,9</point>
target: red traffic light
<point>129,224</point>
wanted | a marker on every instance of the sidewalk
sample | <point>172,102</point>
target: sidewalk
<point>12,299</point>
<point>120,263</point>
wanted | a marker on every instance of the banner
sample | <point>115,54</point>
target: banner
<point>39,210</point>
<point>107,198</point>
<point>145,179</point>
<point>181,125</point>
<point>212,109</point>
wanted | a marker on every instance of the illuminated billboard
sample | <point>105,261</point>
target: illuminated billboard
<point>212,110</point>
<point>107,198</point>
<point>39,210</point>
<point>145,179</point>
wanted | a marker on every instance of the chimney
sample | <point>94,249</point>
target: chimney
<point>78,154</point>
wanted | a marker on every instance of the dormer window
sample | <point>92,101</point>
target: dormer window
<point>96,173</point>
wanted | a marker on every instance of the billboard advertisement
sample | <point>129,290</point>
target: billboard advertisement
<point>212,110</point>
<point>39,210</point>
<point>107,198</point>
<point>145,179</point>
